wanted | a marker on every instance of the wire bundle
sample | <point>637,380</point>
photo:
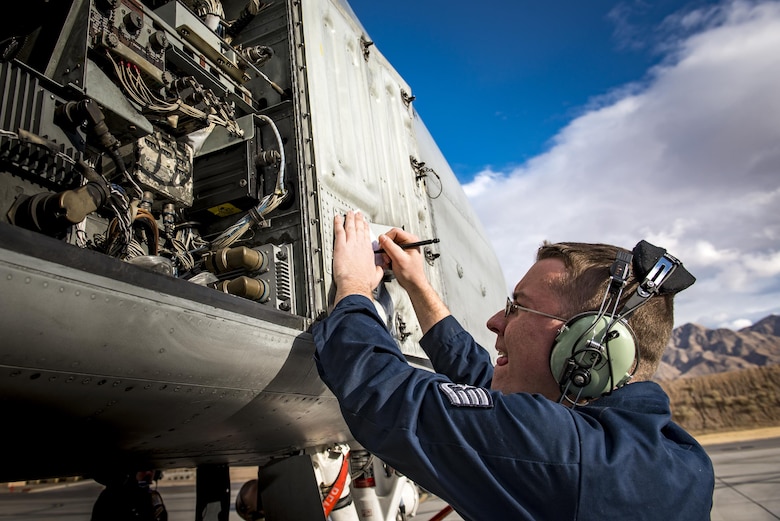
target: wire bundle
<point>269,203</point>
<point>129,76</point>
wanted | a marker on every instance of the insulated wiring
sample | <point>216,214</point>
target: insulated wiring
<point>129,76</point>
<point>269,203</point>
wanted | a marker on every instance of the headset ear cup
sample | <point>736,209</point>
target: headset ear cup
<point>584,350</point>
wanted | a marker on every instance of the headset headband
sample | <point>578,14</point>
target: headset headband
<point>661,274</point>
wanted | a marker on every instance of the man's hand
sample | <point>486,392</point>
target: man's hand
<point>407,266</point>
<point>354,269</point>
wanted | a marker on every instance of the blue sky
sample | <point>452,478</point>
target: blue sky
<point>609,121</point>
<point>495,80</point>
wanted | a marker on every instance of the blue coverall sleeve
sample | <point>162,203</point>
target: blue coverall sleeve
<point>454,353</point>
<point>485,458</point>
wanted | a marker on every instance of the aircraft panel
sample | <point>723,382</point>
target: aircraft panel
<point>362,129</point>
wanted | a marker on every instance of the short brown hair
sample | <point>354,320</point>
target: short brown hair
<point>587,268</point>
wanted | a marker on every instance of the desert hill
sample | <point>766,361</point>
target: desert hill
<point>696,351</point>
<point>722,380</point>
<point>723,402</point>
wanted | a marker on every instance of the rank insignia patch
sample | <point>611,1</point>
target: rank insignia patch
<point>461,395</point>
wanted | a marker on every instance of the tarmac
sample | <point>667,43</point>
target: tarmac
<point>747,471</point>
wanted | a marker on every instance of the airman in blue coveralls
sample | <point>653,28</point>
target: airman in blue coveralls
<point>495,442</point>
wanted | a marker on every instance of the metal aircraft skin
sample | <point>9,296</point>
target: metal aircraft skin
<point>168,181</point>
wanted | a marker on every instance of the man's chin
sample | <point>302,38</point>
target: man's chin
<point>498,386</point>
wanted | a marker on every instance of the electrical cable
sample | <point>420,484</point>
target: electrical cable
<point>268,204</point>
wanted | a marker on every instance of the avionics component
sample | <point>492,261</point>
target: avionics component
<point>165,165</point>
<point>262,274</point>
<point>229,259</point>
<point>127,33</point>
<point>253,289</point>
<point>207,42</point>
<point>225,181</point>
<point>54,213</point>
<point>27,111</point>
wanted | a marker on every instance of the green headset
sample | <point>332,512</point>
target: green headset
<point>596,352</point>
<point>592,355</point>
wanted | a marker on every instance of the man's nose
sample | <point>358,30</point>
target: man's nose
<point>497,322</point>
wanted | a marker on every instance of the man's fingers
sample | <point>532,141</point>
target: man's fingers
<point>349,221</point>
<point>338,229</point>
<point>386,243</point>
<point>361,224</point>
<point>398,236</point>
<point>354,224</point>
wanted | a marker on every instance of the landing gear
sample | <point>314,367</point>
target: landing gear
<point>336,483</point>
<point>212,493</point>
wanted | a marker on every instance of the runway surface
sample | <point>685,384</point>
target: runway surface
<point>747,488</point>
<point>747,480</point>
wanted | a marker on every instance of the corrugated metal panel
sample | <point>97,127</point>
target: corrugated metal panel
<point>363,126</point>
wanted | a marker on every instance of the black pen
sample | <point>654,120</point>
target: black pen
<point>408,245</point>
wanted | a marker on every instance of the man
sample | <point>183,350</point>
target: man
<point>247,500</point>
<point>513,451</point>
<point>130,498</point>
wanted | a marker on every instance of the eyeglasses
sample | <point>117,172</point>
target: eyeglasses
<point>511,307</point>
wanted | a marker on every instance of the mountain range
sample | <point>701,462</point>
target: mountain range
<point>696,351</point>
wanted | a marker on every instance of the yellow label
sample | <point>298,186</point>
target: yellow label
<point>224,210</point>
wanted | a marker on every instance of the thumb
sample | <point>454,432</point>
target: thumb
<point>379,274</point>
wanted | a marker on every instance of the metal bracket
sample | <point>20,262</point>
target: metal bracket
<point>403,334</point>
<point>427,175</point>
<point>407,97</point>
<point>366,44</point>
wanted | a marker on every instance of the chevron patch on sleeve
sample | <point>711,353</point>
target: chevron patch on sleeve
<point>461,395</point>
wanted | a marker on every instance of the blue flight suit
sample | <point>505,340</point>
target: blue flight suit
<point>515,457</point>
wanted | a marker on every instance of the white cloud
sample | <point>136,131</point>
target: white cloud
<point>739,324</point>
<point>688,160</point>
